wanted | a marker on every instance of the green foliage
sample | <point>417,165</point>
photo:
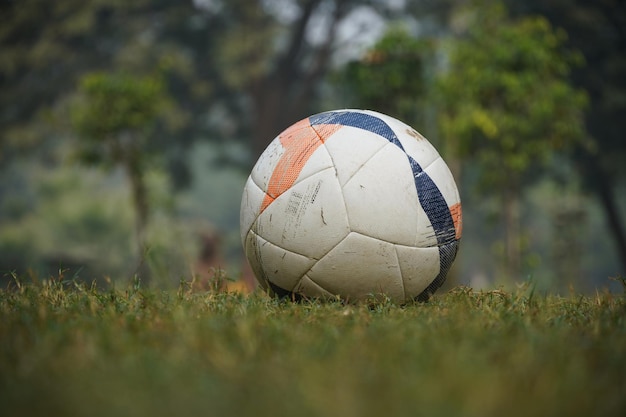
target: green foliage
<point>507,105</point>
<point>71,349</point>
<point>58,231</point>
<point>390,77</point>
<point>81,221</point>
<point>596,29</point>
<point>507,101</point>
<point>47,47</point>
<point>117,115</point>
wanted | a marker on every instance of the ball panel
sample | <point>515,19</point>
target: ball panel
<point>308,219</point>
<point>418,266</point>
<point>358,267</point>
<point>350,148</point>
<point>250,203</point>
<point>381,200</point>
<point>274,264</point>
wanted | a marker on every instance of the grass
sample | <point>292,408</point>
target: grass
<point>68,349</point>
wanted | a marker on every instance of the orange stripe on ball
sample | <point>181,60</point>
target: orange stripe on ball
<point>300,141</point>
<point>457,218</point>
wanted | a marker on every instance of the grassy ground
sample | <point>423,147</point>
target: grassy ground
<point>71,350</point>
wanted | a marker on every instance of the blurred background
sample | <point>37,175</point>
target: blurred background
<point>127,129</point>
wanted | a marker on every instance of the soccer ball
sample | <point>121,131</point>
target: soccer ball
<point>351,204</point>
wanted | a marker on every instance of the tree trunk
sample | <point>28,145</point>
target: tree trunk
<point>601,185</point>
<point>141,208</point>
<point>614,221</point>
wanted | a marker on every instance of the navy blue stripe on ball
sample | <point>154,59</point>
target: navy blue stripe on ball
<point>428,193</point>
<point>358,120</point>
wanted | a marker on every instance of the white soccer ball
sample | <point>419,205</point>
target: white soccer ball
<point>354,204</point>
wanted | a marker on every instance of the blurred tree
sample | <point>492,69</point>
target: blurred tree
<point>598,30</point>
<point>390,76</point>
<point>45,48</point>
<point>507,105</point>
<point>115,120</point>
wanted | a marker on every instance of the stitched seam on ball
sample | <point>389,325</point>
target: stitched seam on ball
<point>429,165</point>
<point>322,257</point>
<point>367,160</point>
<point>285,249</point>
<point>290,251</point>
<point>338,243</point>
